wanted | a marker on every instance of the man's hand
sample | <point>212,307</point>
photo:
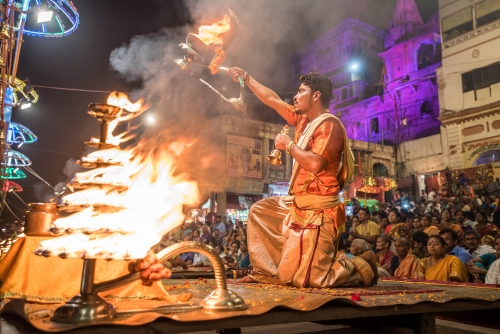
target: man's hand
<point>282,141</point>
<point>355,233</point>
<point>151,269</point>
<point>234,72</point>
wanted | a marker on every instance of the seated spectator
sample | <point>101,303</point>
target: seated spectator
<point>354,225</point>
<point>383,222</point>
<point>367,229</point>
<point>220,251</point>
<point>417,225</point>
<point>493,274</point>
<point>201,260</point>
<point>453,248</point>
<point>447,223</point>
<point>231,259</point>
<point>488,240</point>
<point>404,264</point>
<point>219,224</point>
<point>483,227</point>
<point>217,238</point>
<point>469,219</point>
<point>206,236</point>
<point>358,247</point>
<point>472,244</point>
<point>427,225</point>
<point>478,267</point>
<point>196,235</point>
<point>397,229</point>
<point>419,249</point>
<point>384,255</point>
<point>243,256</point>
<point>439,266</point>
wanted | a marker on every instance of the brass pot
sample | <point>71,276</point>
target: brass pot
<point>39,219</point>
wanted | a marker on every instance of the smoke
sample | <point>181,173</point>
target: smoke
<point>270,32</point>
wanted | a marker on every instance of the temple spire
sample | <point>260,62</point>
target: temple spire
<point>406,20</point>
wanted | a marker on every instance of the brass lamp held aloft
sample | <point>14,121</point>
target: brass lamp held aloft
<point>275,156</point>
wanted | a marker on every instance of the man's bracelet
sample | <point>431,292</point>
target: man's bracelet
<point>288,147</point>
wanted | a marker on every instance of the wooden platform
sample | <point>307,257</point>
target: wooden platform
<point>392,304</point>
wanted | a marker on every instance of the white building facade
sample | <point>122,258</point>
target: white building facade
<point>469,82</point>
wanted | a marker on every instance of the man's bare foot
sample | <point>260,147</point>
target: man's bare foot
<point>178,262</point>
<point>246,279</point>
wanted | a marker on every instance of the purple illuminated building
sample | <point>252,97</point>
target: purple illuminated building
<point>385,87</point>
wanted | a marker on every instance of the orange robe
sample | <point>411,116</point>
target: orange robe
<point>408,267</point>
<point>294,240</point>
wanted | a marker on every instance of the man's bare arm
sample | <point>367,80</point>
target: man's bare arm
<point>310,161</point>
<point>263,93</point>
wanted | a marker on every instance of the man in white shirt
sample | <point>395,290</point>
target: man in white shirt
<point>432,195</point>
<point>201,260</point>
<point>472,243</point>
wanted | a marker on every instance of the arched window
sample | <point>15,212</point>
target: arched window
<point>488,157</point>
<point>380,170</point>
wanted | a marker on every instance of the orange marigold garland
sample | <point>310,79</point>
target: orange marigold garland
<point>217,61</point>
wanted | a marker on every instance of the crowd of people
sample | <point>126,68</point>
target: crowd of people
<point>227,238</point>
<point>442,239</point>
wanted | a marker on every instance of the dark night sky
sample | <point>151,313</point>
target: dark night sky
<point>81,60</point>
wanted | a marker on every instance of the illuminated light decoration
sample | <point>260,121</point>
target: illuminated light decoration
<point>354,66</point>
<point>9,186</point>
<point>15,159</point>
<point>9,174</point>
<point>18,134</point>
<point>25,105</point>
<point>44,16</point>
<point>65,18</point>
<point>26,90</point>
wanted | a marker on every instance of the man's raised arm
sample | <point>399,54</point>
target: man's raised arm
<point>266,95</point>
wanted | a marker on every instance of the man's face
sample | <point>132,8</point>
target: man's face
<point>217,233</point>
<point>471,242</point>
<point>450,243</point>
<point>303,102</point>
<point>217,220</point>
<point>362,215</point>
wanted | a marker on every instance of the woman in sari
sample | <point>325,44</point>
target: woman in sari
<point>397,229</point>
<point>428,226</point>
<point>384,255</point>
<point>439,266</point>
<point>446,222</point>
<point>483,227</point>
<point>404,264</point>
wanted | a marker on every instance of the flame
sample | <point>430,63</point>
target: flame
<point>212,34</point>
<point>121,100</point>
<point>131,203</point>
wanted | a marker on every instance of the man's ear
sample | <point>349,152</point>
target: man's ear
<point>316,95</point>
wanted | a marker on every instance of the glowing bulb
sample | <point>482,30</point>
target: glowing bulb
<point>15,170</point>
<point>45,16</point>
<point>151,120</point>
<point>25,105</point>
<point>354,66</point>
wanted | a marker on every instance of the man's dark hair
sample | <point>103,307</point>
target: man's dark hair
<point>382,214</point>
<point>319,83</point>
<point>218,217</point>
<point>421,237</point>
<point>365,210</point>
<point>387,240</point>
<point>474,233</point>
<point>453,234</point>
<point>469,215</point>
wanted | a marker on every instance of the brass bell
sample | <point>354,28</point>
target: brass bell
<point>5,32</point>
<point>275,157</point>
<point>2,63</point>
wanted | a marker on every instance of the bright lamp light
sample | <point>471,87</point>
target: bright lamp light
<point>45,16</point>
<point>151,120</point>
<point>25,105</point>
<point>354,66</point>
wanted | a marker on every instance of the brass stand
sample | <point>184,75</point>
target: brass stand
<point>87,307</point>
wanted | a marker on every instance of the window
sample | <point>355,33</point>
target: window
<point>457,24</point>
<point>481,78</point>
<point>487,11</point>
<point>426,109</point>
<point>374,125</point>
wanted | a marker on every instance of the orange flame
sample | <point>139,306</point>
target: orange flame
<point>212,34</point>
<point>130,204</point>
